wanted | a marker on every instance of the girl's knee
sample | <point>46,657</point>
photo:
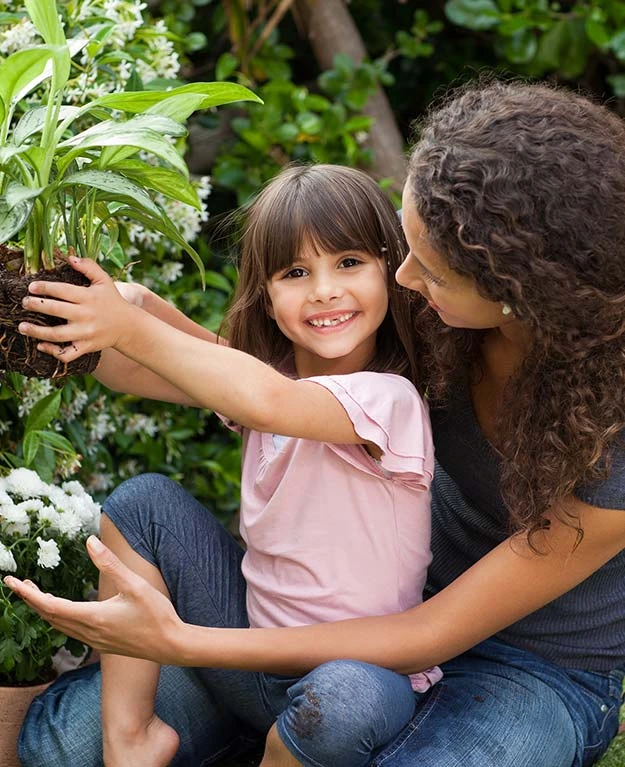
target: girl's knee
<point>344,710</point>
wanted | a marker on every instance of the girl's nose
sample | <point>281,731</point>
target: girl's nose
<point>325,289</point>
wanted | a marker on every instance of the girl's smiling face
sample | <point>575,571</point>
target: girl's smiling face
<point>330,306</point>
<point>454,296</point>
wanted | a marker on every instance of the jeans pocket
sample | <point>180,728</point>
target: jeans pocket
<point>602,715</point>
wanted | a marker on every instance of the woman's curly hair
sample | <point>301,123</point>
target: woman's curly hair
<point>522,188</point>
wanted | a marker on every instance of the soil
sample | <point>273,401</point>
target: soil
<point>19,353</point>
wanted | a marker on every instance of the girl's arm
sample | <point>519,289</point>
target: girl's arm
<point>119,373</point>
<point>210,375</point>
<point>510,582</point>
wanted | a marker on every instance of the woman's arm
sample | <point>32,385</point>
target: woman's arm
<point>507,584</point>
<point>210,375</point>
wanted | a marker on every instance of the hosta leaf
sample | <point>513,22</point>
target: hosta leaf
<point>17,193</point>
<point>163,180</point>
<point>214,94</point>
<point>12,220</point>
<point>33,121</point>
<point>45,17</point>
<point>119,187</point>
<point>156,123</point>
<point>24,70</point>
<point>142,138</point>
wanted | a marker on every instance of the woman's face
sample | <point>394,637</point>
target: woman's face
<point>453,296</point>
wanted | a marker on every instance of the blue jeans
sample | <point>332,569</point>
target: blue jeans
<point>213,710</point>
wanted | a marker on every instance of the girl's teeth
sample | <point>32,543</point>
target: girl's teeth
<point>335,321</point>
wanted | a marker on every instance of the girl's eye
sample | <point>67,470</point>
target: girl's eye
<point>294,273</point>
<point>351,261</point>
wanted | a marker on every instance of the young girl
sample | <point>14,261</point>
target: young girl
<point>337,453</point>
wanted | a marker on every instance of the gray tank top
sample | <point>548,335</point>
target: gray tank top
<point>584,628</point>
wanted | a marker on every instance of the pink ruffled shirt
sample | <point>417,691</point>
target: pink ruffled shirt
<point>332,533</point>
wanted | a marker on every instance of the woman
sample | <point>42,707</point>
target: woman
<point>513,211</point>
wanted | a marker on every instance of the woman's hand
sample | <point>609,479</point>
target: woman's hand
<point>139,621</point>
<point>96,315</point>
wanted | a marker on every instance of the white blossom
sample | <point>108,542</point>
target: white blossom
<point>14,520</point>
<point>7,560</point>
<point>34,390</point>
<point>171,271</point>
<point>16,37</point>
<point>48,555</point>
<point>25,483</point>
<point>99,482</point>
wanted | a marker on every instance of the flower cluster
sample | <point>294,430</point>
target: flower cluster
<point>43,529</point>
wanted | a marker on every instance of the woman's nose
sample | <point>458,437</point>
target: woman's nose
<point>407,277</point>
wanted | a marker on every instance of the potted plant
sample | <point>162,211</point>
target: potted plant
<point>43,529</point>
<point>70,176</point>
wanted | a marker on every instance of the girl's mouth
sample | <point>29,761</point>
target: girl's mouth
<point>329,322</point>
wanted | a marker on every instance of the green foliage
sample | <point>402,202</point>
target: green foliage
<point>56,178</point>
<point>296,124</point>
<point>540,37</point>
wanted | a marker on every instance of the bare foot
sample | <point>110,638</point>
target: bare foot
<point>153,746</point>
<point>276,753</point>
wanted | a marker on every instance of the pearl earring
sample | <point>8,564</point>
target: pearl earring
<point>506,309</point>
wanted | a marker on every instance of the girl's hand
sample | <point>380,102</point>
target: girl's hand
<point>96,315</point>
<point>139,621</point>
<point>132,292</point>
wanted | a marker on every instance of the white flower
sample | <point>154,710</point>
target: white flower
<point>25,483</point>
<point>34,390</point>
<point>48,555</point>
<point>7,560</point>
<point>171,271</point>
<point>21,35</point>
<point>14,520</point>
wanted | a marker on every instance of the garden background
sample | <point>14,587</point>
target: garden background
<point>342,83</point>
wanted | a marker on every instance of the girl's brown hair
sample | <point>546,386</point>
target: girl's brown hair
<point>522,188</point>
<point>336,209</point>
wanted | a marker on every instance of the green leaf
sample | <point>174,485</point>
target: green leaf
<point>17,193</point>
<point>617,82</point>
<point>226,65</point>
<point>121,188</point>
<point>597,33</point>
<point>166,227</point>
<point>164,180</point>
<point>33,121</point>
<point>57,442</point>
<point>521,47</point>
<point>45,16</point>
<point>217,280</point>
<point>43,412</point>
<point>23,70</point>
<point>215,95</point>
<point>30,447</point>
<point>12,220</point>
<point>121,136</point>
<point>473,14</point>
